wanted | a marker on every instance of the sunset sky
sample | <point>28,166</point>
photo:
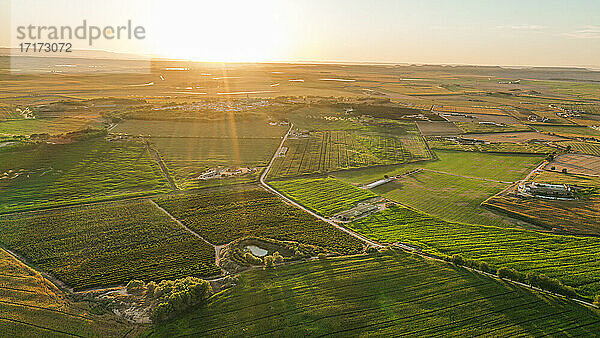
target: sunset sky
<point>510,32</point>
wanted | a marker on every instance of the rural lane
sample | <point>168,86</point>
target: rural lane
<point>283,197</point>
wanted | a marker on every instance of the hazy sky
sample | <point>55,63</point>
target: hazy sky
<point>508,32</point>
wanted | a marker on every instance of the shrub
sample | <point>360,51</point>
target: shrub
<point>457,259</point>
<point>136,286</point>
<point>253,260</point>
<point>484,267</point>
<point>511,274</point>
<point>269,262</point>
<point>322,255</point>
<point>597,300</point>
<point>178,295</point>
<point>372,249</point>
<point>277,257</point>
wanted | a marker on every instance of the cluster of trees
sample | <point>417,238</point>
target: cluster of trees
<point>268,261</point>
<point>171,296</point>
<point>532,278</point>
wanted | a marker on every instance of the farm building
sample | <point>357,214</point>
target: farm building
<point>558,191</point>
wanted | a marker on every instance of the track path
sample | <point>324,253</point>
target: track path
<point>283,197</point>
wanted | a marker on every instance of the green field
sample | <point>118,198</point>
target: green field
<point>325,196</point>
<point>45,126</point>
<point>61,174</point>
<point>573,260</point>
<point>477,128</point>
<point>224,216</point>
<point>107,244</point>
<point>501,167</point>
<point>520,148</point>
<point>449,197</point>
<point>241,128</point>
<point>327,151</point>
<point>569,131</point>
<point>589,148</point>
<point>187,158</point>
<point>394,294</point>
<point>31,306</point>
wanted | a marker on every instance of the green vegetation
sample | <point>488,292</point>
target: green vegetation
<point>107,244</point>
<point>393,294</point>
<point>478,128</point>
<point>501,167</point>
<point>231,128</point>
<point>326,151</point>
<point>63,174</point>
<point>589,148</point>
<point>505,147</point>
<point>47,126</point>
<point>224,216</point>
<point>569,131</point>
<point>449,197</point>
<point>188,158</point>
<point>575,261</point>
<point>325,196</point>
<point>31,306</point>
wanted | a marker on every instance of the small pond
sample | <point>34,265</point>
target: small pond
<point>256,251</point>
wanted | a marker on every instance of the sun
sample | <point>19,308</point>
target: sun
<point>221,31</point>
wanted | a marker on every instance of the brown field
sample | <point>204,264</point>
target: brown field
<point>577,164</point>
<point>517,137</point>
<point>578,216</point>
<point>438,128</point>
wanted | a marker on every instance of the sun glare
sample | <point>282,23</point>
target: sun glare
<point>217,31</point>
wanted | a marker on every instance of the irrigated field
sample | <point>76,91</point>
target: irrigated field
<point>573,260</point>
<point>61,174</point>
<point>221,217</point>
<point>476,128</point>
<point>106,244</point>
<point>501,167</point>
<point>30,306</point>
<point>393,294</point>
<point>327,151</point>
<point>449,197</point>
<point>325,196</point>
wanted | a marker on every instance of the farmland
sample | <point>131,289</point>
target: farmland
<point>325,196</point>
<point>449,197</point>
<point>187,158</point>
<point>568,131</point>
<point>503,147</point>
<point>501,167</point>
<point>392,294</point>
<point>106,244</point>
<point>223,216</point>
<point>577,164</point>
<point>477,128</point>
<point>62,174</point>
<point>49,126</point>
<point>31,306</point>
<point>438,128</point>
<point>589,148</point>
<point>577,216</point>
<point>573,260</point>
<point>326,151</point>
<point>229,128</point>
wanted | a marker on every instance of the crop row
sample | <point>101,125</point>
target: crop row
<point>390,294</point>
<point>573,260</point>
<point>222,217</point>
<point>328,151</point>
<point>107,244</point>
<point>325,196</point>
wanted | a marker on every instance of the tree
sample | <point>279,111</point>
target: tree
<point>269,262</point>
<point>564,171</point>
<point>136,286</point>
